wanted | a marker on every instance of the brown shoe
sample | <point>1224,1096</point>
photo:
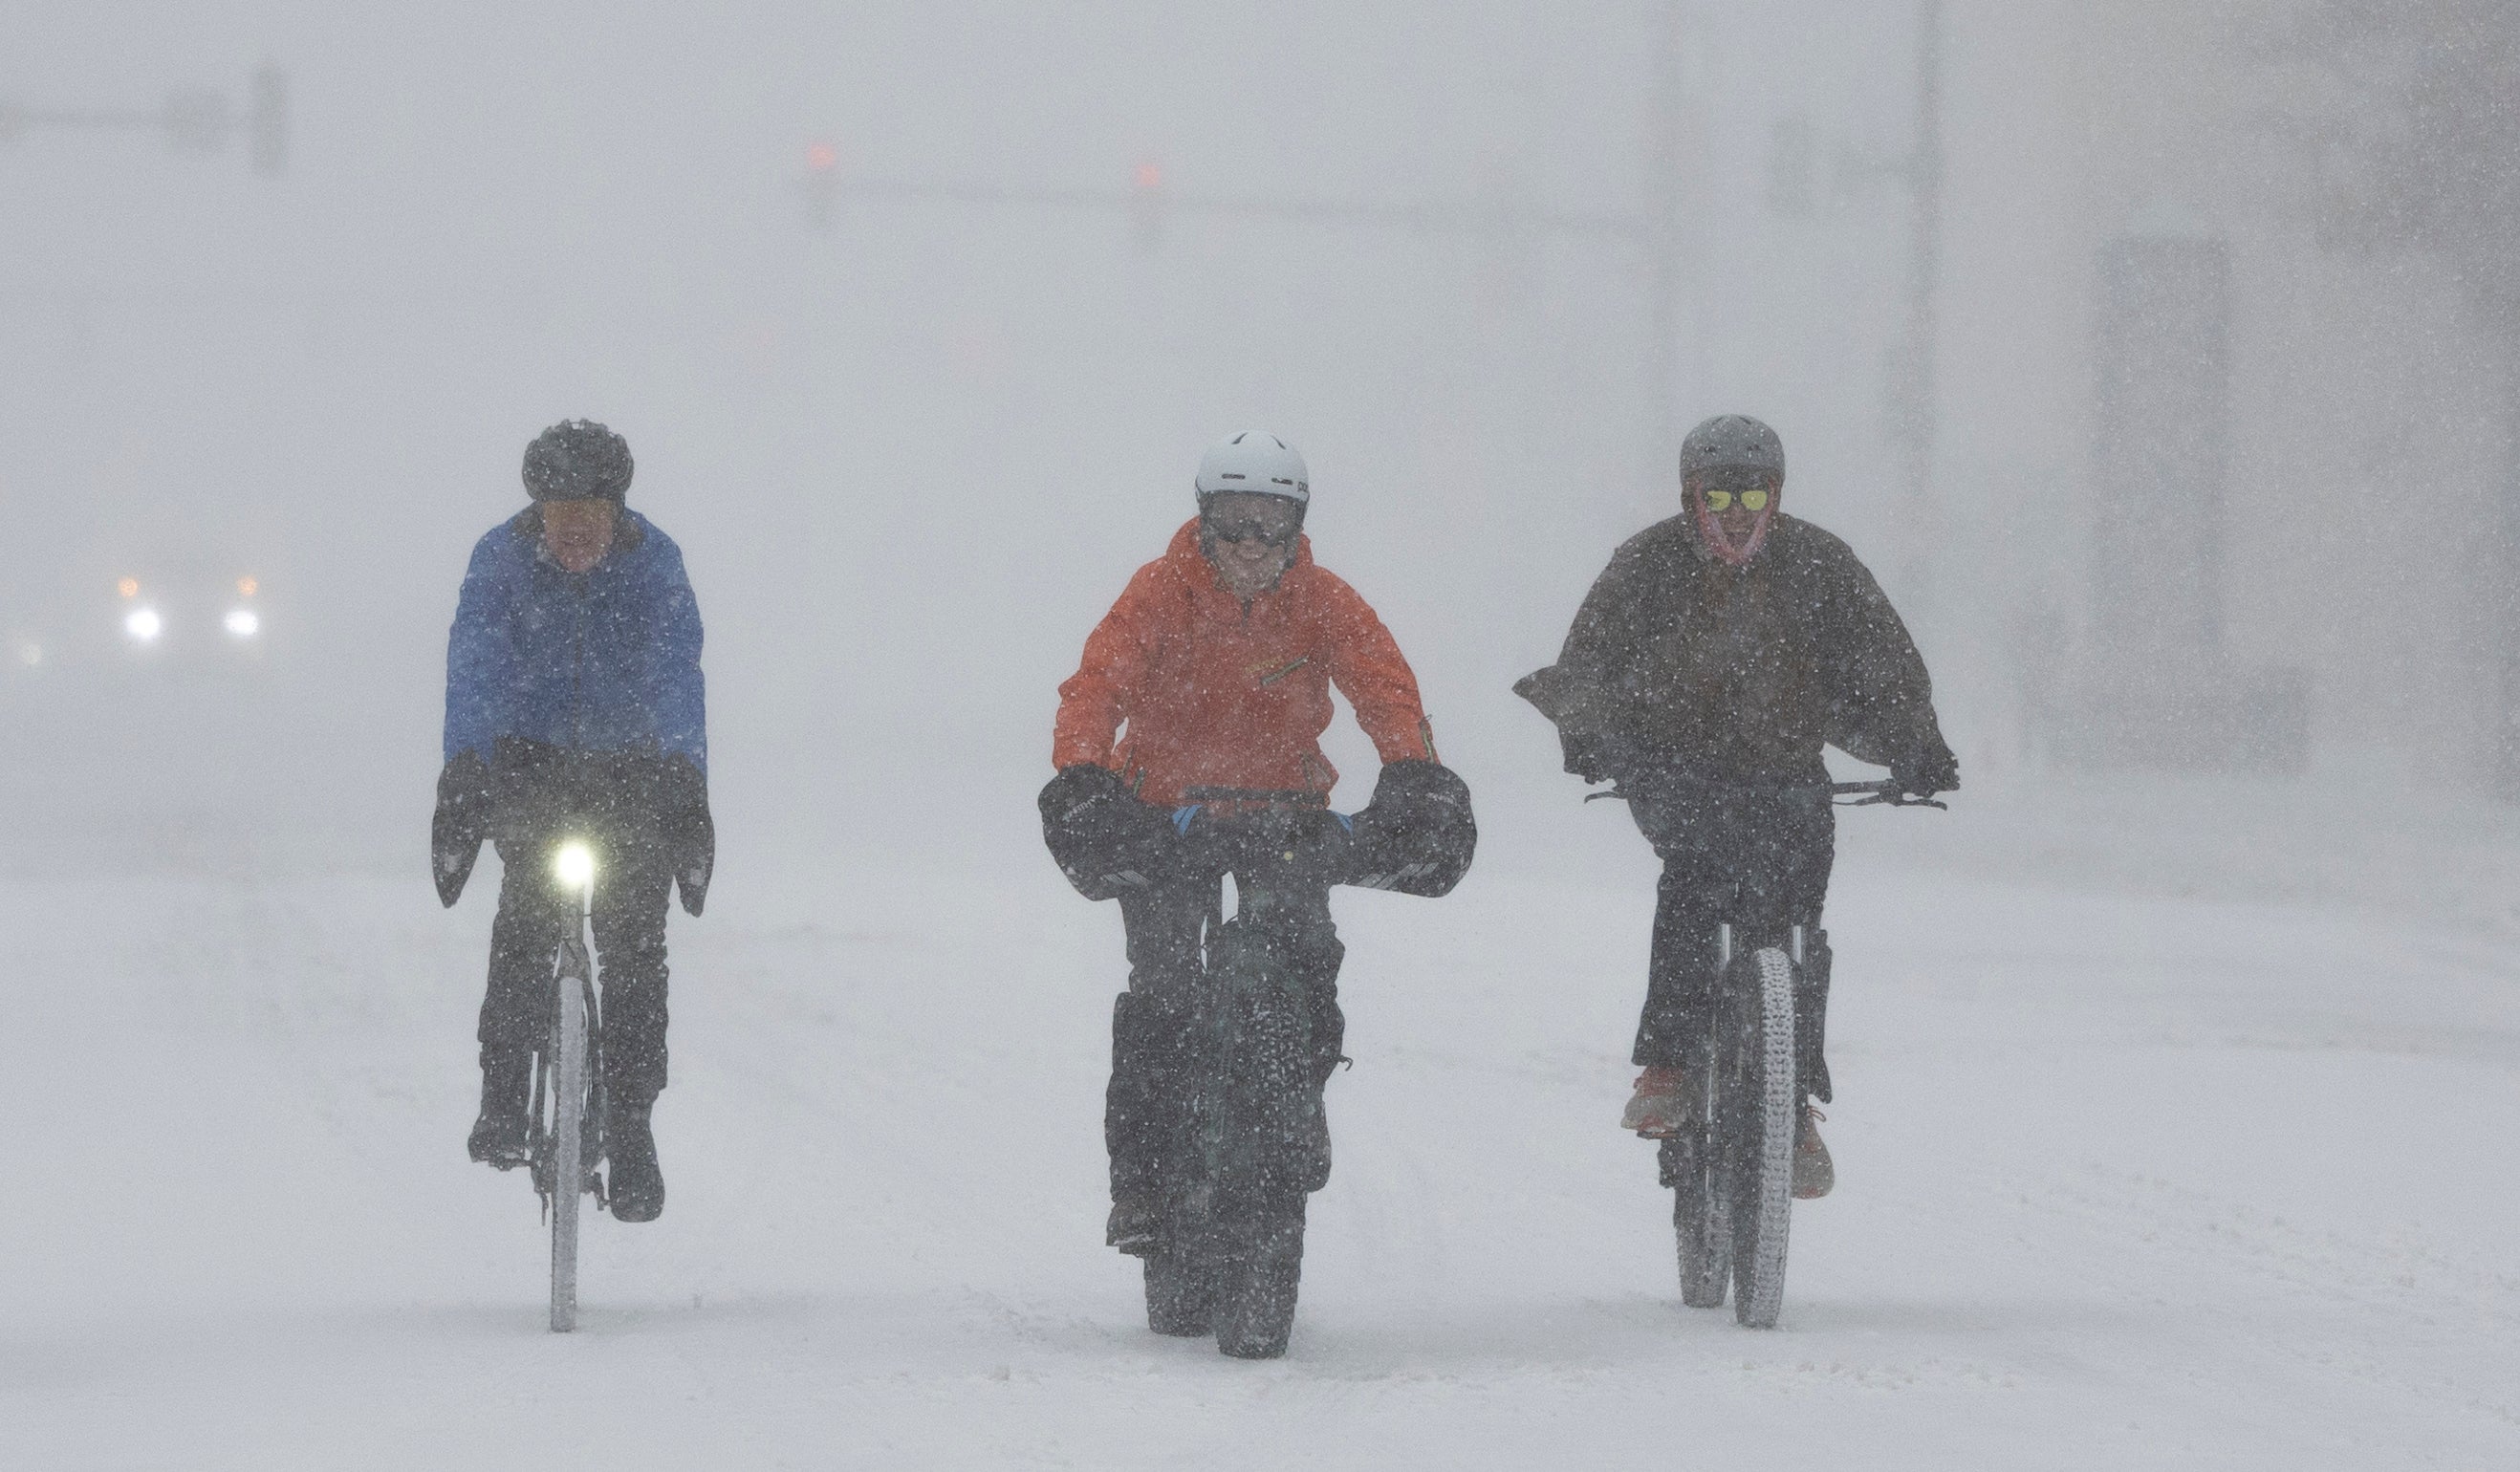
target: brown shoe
<point>1660,1104</point>
<point>1815,1176</point>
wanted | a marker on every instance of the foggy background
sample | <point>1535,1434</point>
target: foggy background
<point>912,443</point>
<point>913,438</point>
<point>2165,381</point>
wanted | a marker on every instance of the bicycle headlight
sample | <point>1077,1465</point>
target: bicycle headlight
<point>574,865</point>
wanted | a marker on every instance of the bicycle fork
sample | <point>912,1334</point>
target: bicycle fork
<point>1724,944</point>
<point>1811,958</point>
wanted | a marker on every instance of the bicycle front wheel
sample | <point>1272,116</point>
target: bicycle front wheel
<point>568,1129</point>
<point>1757,1123</point>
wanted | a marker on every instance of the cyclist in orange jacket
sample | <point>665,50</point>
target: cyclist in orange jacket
<point>1214,671</point>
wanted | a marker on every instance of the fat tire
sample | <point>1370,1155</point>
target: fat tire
<point>1257,1284</point>
<point>1701,1219</point>
<point>1759,1128</point>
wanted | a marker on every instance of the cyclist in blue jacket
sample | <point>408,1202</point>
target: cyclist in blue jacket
<point>575,709</point>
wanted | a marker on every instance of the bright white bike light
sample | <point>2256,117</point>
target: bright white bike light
<point>574,865</point>
<point>144,625</point>
<point>244,623</point>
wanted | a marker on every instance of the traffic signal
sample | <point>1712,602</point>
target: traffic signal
<point>1147,203</point>
<point>821,183</point>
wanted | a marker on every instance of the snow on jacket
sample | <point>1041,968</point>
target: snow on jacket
<point>607,660</point>
<point>1742,672</point>
<point>1214,691</point>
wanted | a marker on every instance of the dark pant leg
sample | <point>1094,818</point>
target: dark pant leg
<point>533,918</point>
<point>1757,860</point>
<point>1152,1053</point>
<point>1304,946</point>
<point>1680,976</point>
<point>632,886</point>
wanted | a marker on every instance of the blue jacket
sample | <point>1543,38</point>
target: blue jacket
<point>608,660</point>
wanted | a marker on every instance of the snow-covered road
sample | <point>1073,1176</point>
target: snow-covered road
<point>2125,1182</point>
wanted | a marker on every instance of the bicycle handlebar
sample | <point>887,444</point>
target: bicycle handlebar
<point>1883,792</point>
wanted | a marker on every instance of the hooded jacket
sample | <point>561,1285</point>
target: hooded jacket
<point>1740,672</point>
<point>1183,685</point>
<point>604,661</point>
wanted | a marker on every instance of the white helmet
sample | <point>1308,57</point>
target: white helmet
<point>1257,462</point>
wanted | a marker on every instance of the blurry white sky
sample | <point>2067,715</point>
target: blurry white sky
<point>913,457</point>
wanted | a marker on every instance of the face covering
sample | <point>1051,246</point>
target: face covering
<point>1711,533</point>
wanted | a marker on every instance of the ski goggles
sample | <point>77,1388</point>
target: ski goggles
<point>1252,529</point>
<point>1751,501</point>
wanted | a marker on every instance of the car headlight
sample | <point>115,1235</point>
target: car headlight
<point>142,624</point>
<point>242,623</point>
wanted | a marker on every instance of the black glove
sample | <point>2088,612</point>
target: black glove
<point>462,821</point>
<point>1417,835</point>
<point>1928,772</point>
<point>690,835</point>
<point>1103,838</point>
<point>1597,758</point>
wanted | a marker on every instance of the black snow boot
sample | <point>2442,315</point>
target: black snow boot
<point>499,1134</point>
<point>638,1185</point>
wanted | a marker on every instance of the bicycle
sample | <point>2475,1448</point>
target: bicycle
<point>568,1120</point>
<point>1255,1142</point>
<point>1731,1165</point>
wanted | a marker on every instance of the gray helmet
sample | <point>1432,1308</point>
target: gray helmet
<point>1732,441</point>
<point>578,460</point>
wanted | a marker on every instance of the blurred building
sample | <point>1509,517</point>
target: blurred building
<point>2226,492</point>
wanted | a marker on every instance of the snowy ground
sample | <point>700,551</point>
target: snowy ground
<point>2127,1179</point>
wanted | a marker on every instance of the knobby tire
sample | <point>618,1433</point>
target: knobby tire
<point>1764,1100</point>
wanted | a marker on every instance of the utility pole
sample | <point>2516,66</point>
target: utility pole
<point>1921,511</point>
<point>1659,230</point>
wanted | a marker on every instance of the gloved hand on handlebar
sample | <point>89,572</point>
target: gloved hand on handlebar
<point>691,833</point>
<point>1927,773</point>
<point>1417,835</point>
<point>1593,758</point>
<point>1103,837</point>
<point>459,825</point>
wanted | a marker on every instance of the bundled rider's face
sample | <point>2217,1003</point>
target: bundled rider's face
<point>1251,538</point>
<point>578,533</point>
<point>1736,501</point>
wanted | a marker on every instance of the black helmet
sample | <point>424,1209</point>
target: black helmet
<point>1732,441</point>
<point>578,460</point>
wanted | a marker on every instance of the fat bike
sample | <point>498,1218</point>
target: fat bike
<point>1253,1142</point>
<point>1730,1164</point>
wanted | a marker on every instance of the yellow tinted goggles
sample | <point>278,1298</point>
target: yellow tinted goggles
<point>1751,501</point>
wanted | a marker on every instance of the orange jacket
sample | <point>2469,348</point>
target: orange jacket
<point>1214,694</point>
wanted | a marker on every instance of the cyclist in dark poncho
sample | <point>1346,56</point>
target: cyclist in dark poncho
<point>1714,658</point>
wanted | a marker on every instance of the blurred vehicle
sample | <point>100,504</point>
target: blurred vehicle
<point>192,612</point>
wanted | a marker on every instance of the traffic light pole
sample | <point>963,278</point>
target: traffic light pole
<point>1656,229</point>
<point>194,120</point>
